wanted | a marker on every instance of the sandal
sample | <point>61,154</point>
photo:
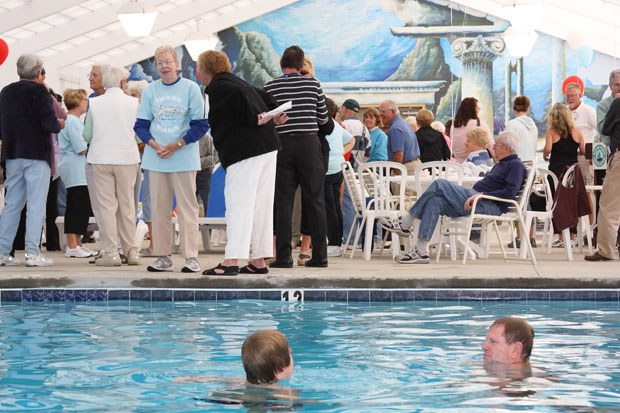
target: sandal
<point>252,269</point>
<point>231,270</point>
<point>301,260</point>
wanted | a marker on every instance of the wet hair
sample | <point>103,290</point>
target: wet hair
<point>213,62</point>
<point>614,73</point>
<point>561,119</point>
<point>331,107</point>
<point>465,112</point>
<point>424,118</point>
<point>374,112</point>
<point>293,57</point>
<point>439,127</point>
<point>521,104</point>
<point>517,330</point>
<point>29,66</point>
<point>73,97</point>
<point>166,49</point>
<point>448,127</point>
<point>479,136</point>
<point>265,354</point>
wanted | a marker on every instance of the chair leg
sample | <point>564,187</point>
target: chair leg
<point>358,232</point>
<point>368,238</point>
<point>586,223</point>
<point>470,223</point>
<point>525,235</point>
<point>346,244</point>
<point>568,246</point>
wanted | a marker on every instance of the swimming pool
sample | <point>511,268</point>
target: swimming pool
<point>404,356</point>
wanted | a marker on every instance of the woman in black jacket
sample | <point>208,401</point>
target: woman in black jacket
<point>247,144</point>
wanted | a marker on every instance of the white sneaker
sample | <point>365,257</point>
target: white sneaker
<point>413,258</point>
<point>334,251</point>
<point>38,260</point>
<point>163,263</point>
<point>76,252</point>
<point>88,250</point>
<point>191,265</point>
<point>6,259</point>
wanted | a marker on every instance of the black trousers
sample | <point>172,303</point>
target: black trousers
<point>78,210</point>
<point>300,162</point>
<point>333,210</point>
<point>52,242</point>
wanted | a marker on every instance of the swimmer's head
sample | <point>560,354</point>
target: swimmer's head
<point>509,340</point>
<point>266,357</point>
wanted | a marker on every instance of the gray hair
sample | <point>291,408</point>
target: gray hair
<point>510,139</point>
<point>166,49</point>
<point>111,76</point>
<point>573,85</point>
<point>439,127</point>
<point>614,73</point>
<point>29,66</point>
<point>137,85</point>
<point>125,73</point>
<point>391,105</point>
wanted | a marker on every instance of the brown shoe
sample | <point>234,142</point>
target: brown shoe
<point>596,257</point>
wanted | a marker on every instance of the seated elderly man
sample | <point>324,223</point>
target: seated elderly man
<point>478,161</point>
<point>449,199</point>
<point>509,340</point>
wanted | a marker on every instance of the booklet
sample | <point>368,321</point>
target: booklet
<point>279,109</point>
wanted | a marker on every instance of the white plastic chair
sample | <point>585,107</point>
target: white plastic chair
<point>376,179</point>
<point>544,216</point>
<point>516,210</point>
<point>350,180</point>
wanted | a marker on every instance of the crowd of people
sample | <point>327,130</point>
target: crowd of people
<point>158,139</point>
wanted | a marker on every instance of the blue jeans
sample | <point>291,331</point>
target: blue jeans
<point>146,198</point>
<point>27,182</point>
<point>448,199</point>
<point>348,214</point>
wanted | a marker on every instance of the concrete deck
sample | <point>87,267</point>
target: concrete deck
<point>380,272</point>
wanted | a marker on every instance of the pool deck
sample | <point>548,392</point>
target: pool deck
<point>380,272</point>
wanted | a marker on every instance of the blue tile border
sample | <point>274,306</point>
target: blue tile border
<point>352,295</point>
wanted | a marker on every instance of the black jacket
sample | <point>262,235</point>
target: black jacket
<point>234,106</point>
<point>433,146</point>
<point>27,118</point>
<point>611,127</point>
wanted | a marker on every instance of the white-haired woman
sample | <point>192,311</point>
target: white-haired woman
<point>114,159</point>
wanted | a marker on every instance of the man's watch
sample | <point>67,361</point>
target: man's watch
<point>180,144</point>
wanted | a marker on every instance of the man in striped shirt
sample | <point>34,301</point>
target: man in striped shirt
<point>300,161</point>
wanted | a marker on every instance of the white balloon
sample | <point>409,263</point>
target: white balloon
<point>575,39</point>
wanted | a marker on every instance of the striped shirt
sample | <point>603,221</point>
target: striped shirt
<point>308,102</point>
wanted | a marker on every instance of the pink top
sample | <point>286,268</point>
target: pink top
<point>459,135</point>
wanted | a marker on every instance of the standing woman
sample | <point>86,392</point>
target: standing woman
<point>247,145</point>
<point>378,138</point>
<point>72,169</point>
<point>562,140</point>
<point>525,128</point>
<point>466,118</point>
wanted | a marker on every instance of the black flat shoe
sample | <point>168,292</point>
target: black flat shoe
<point>227,271</point>
<point>252,269</point>
<point>286,263</point>
<point>316,263</point>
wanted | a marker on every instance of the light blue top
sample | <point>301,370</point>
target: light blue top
<point>170,108</point>
<point>337,139</point>
<point>378,142</point>
<point>401,137</point>
<point>72,165</point>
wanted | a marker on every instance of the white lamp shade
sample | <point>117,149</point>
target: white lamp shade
<point>198,42</point>
<point>519,42</point>
<point>137,18</point>
<point>523,14</point>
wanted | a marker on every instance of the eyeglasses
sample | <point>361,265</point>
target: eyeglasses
<point>166,62</point>
<point>88,76</point>
<point>495,145</point>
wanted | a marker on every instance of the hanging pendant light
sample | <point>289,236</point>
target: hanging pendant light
<point>137,17</point>
<point>519,42</point>
<point>199,41</point>
<point>523,14</point>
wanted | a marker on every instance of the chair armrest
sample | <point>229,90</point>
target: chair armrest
<point>494,198</point>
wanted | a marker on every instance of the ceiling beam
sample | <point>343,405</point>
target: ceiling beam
<point>33,10</point>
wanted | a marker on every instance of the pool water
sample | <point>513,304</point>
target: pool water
<point>422,356</point>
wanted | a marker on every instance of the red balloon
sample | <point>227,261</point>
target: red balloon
<point>572,79</point>
<point>4,51</point>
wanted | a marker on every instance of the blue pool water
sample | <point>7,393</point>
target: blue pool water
<point>422,356</point>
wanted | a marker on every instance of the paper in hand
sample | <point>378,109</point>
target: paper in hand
<point>279,109</point>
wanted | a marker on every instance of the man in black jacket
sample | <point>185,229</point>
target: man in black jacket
<point>27,118</point>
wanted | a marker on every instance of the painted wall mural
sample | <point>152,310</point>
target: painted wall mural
<point>413,51</point>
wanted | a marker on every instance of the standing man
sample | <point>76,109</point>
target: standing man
<point>300,161</point>
<point>584,115</point>
<point>27,118</point>
<point>402,143</point>
<point>509,340</point>
<point>95,78</point>
<point>171,120</point>
<point>604,105</point>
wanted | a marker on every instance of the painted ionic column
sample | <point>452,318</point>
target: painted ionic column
<point>558,69</point>
<point>477,55</point>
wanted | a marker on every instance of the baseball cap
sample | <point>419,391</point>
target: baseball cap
<point>351,104</point>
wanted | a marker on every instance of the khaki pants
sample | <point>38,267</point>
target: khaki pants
<point>182,185</point>
<point>114,188</point>
<point>609,212</point>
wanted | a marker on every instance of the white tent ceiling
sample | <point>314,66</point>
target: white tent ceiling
<point>71,34</point>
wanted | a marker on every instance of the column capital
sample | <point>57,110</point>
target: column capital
<point>478,48</point>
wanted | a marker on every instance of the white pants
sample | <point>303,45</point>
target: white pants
<point>249,192</point>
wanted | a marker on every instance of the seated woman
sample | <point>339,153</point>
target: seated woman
<point>433,146</point>
<point>478,161</point>
<point>71,167</point>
